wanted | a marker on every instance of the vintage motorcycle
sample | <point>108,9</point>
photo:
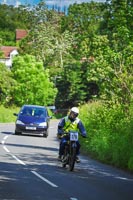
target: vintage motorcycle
<point>69,157</point>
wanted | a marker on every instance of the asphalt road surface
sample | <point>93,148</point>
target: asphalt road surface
<point>29,170</point>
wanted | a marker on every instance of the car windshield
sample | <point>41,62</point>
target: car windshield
<point>33,111</point>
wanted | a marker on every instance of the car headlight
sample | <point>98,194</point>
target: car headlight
<point>19,122</point>
<point>43,124</point>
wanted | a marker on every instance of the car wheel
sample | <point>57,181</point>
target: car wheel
<point>17,133</point>
<point>45,134</point>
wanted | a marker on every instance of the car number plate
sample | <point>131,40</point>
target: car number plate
<point>30,128</point>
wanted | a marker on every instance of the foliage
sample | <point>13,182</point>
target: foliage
<point>46,42</point>
<point>6,84</point>
<point>109,130</point>
<point>108,42</point>
<point>112,72</point>
<point>83,20</point>
<point>88,31</point>
<point>6,114</point>
<point>7,38</point>
<point>118,23</point>
<point>33,84</point>
<point>70,86</point>
<point>11,18</point>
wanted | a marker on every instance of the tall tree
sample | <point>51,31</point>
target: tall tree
<point>45,39</point>
<point>83,21</point>
<point>118,23</point>
<point>112,71</point>
<point>33,83</point>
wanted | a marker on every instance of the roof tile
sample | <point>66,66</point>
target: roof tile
<point>7,50</point>
<point>20,33</point>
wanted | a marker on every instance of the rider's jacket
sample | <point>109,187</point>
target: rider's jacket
<point>66,125</point>
<point>71,125</point>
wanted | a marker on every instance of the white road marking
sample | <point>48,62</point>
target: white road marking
<point>44,179</point>
<point>3,141</point>
<point>6,149</point>
<point>21,162</point>
<point>73,198</point>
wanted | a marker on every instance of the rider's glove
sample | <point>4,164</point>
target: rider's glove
<point>59,136</point>
<point>66,136</point>
<point>84,136</point>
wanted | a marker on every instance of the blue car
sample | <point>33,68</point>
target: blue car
<point>32,119</point>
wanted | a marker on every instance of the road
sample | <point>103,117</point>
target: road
<point>29,170</point>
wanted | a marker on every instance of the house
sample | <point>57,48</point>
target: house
<point>9,51</point>
<point>20,33</point>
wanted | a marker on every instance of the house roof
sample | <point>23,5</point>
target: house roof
<point>7,50</point>
<point>20,33</point>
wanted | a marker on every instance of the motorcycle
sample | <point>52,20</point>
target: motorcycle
<point>69,157</point>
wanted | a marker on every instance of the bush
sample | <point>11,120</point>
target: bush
<point>110,138</point>
<point>6,114</point>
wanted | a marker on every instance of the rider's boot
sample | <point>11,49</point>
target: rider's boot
<point>77,159</point>
<point>60,158</point>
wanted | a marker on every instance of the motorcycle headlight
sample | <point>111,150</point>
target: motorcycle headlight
<point>19,122</point>
<point>43,124</point>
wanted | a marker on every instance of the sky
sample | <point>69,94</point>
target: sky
<point>67,2</point>
<point>49,3</point>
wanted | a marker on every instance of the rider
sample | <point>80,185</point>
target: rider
<point>70,123</point>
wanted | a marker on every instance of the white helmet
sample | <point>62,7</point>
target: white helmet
<point>75,110</point>
<point>73,113</point>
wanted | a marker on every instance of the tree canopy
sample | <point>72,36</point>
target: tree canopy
<point>33,83</point>
<point>87,53</point>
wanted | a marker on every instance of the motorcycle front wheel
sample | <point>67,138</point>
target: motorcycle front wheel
<point>72,159</point>
<point>65,157</point>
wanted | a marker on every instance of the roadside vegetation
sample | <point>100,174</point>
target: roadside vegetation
<point>110,135</point>
<point>84,59</point>
<point>6,114</point>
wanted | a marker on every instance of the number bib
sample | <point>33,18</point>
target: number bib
<point>73,136</point>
